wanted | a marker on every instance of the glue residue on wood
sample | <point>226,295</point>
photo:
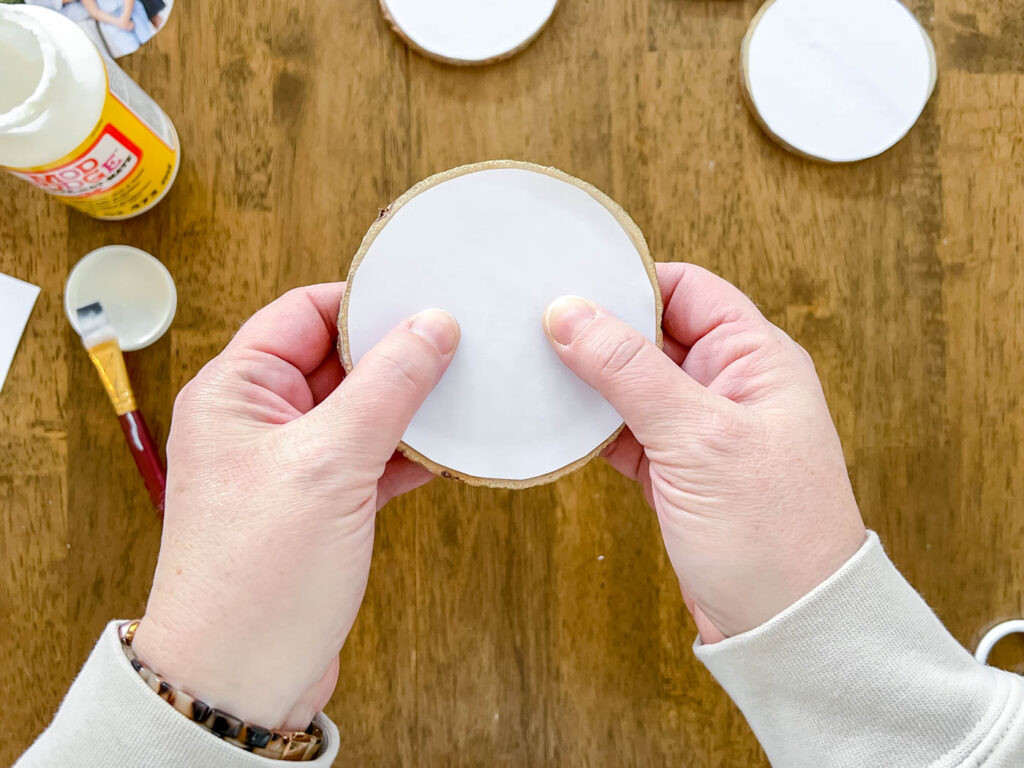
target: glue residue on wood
<point>494,244</point>
<point>468,31</point>
<point>837,80</point>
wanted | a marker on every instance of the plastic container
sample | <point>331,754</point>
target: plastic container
<point>74,124</point>
<point>136,291</point>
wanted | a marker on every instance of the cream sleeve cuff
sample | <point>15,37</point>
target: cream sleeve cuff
<point>111,717</point>
<point>860,672</point>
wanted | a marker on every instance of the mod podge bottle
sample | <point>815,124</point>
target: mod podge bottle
<point>74,124</point>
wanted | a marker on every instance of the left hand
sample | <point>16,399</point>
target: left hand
<point>276,470</point>
<point>731,439</point>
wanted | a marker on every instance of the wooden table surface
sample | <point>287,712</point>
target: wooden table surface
<point>541,627</point>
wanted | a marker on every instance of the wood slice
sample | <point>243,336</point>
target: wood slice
<point>494,243</point>
<point>837,81</point>
<point>468,32</point>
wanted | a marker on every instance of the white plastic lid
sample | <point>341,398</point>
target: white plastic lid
<point>135,289</point>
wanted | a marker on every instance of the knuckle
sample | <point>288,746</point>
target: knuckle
<point>616,356</point>
<point>730,431</point>
<point>186,398</point>
<point>305,462</point>
<point>793,348</point>
<point>403,371</point>
<point>805,357</point>
<point>292,296</point>
<point>726,424</point>
<point>202,390</point>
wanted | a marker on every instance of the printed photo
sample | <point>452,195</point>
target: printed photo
<point>118,27</point>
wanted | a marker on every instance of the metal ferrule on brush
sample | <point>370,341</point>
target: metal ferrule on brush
<point>100,341</point>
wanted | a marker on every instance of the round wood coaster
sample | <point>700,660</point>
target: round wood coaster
<point>493,244</point>
<point>837,80</point>
<point>468,32</point>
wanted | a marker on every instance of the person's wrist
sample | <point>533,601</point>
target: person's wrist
<point>795,576</point>
<point>193,662</point>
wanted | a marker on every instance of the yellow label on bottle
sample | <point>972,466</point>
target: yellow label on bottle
<point>122,167</point>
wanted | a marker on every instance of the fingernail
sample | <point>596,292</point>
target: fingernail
<point>567,317</point>
<point>437,327</point>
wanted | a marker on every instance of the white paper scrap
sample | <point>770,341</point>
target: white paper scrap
<point>16,301</point>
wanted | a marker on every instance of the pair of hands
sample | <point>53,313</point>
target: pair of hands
<point>124,21</point>
<point>270,513</point>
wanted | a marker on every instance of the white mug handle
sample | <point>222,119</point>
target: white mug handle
<point>996,634</point>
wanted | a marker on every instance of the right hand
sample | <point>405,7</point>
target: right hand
<point>730,437</point>
<point>126,23</point>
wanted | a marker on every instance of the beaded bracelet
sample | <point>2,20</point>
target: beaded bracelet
<point>293,746</point>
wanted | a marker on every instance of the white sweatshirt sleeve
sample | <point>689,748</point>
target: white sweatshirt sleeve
<point>860,672</point>
<point>110,717</point>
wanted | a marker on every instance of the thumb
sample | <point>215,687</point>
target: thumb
<point>651,393</point>
<point>371,409</point>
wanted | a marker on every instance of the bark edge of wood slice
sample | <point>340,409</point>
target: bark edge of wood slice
<point>621,216</point>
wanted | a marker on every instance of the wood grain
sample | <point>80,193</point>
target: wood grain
<point>541,627</point>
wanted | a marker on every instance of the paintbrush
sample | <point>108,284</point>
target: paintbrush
<point>100,341</point>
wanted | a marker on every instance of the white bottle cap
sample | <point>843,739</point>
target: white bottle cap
<point>135,289</point>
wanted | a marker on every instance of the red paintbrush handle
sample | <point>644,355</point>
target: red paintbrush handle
<point>147,457</point>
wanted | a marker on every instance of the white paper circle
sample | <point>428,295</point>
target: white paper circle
<point>838,80</point>
<point>494,246</point>
<point>469,31</point>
